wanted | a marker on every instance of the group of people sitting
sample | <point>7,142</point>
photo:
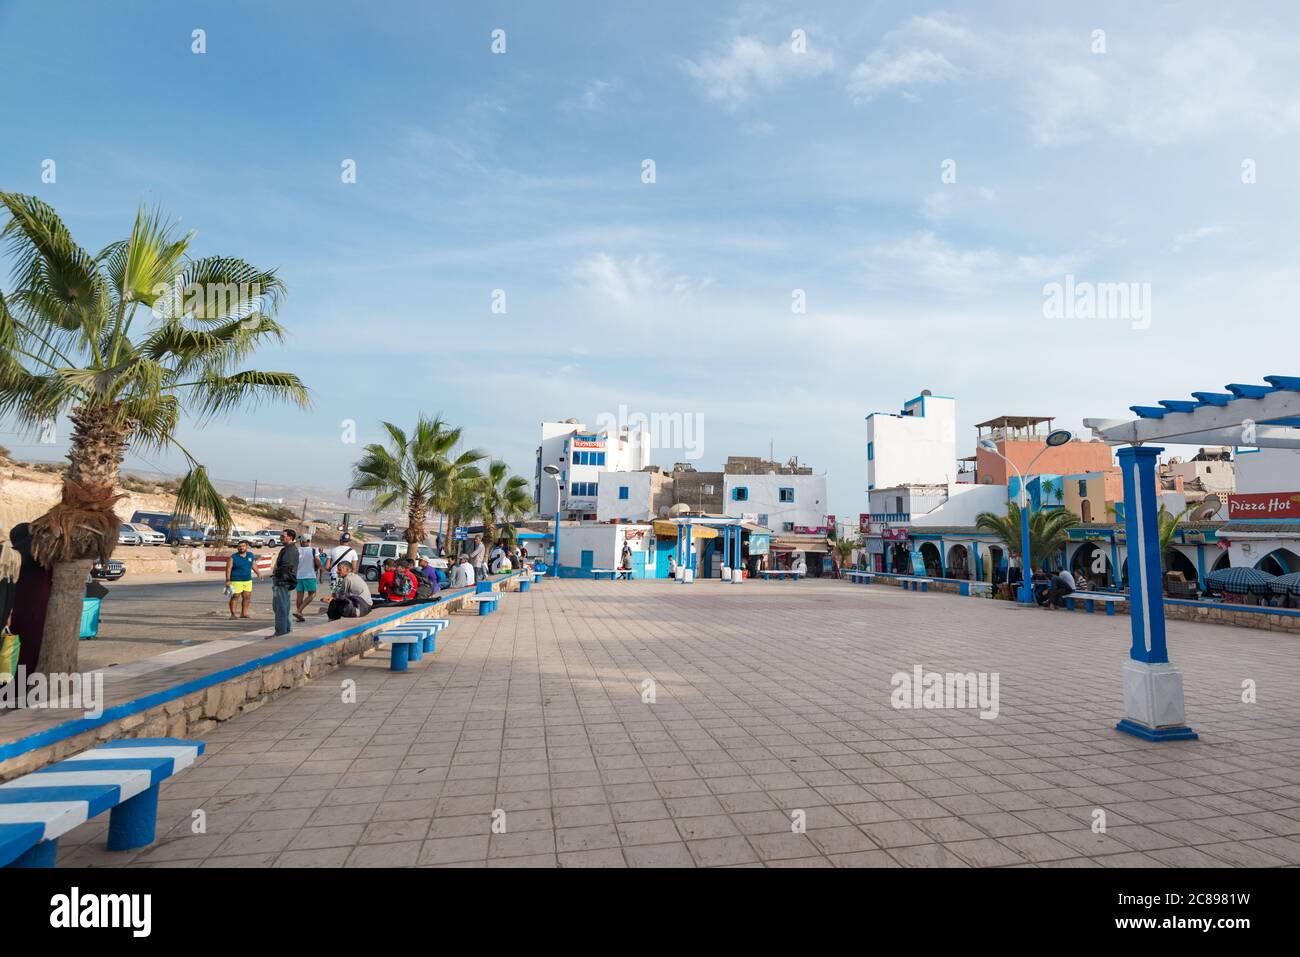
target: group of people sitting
<point>404,581</point>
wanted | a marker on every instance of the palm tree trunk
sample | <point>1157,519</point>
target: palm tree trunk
<point>414,527</point>
<point>81,527</point>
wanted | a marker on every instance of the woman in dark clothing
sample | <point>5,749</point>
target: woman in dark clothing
<point>31,598</point>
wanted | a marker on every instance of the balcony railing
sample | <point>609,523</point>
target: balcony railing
<point>894,517</point>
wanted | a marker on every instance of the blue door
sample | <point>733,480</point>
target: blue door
<point>662,554</point>
<point>587,563</point>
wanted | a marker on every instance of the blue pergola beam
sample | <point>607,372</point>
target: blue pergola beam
<point>1213,398</point>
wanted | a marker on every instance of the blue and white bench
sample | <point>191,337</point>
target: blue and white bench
<point>781,573</point>
<point>915,582</point>
<point>487,602</point>
<point>861,577</point>
<point>976,589</point>
<point>538,576</point>
<point>120,776</point>
<point>613,573</point>
<point>1090,599</point>
<point>410,640</point>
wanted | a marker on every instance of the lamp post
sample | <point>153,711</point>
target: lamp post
<point>554,473</point>
<point>1055,438</point>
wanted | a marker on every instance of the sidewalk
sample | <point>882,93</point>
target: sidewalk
<point>770,699</point>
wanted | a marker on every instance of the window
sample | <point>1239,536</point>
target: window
<point>1083,488</point>
<point>786,494</point>
<point>898,503</point>
<point>622,491</point>
<point>740,494</point>
<point>600,458</point>
<point>871,451</point>
<point>787,526</point>
<point>762,518</point>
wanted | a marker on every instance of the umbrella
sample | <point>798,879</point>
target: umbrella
<point>1286,584</point>
<point>1240,580</point>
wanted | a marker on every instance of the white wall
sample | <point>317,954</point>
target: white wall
<point>916,449</point>
<point>637,505</point>
<point>1268,470</point>
<point>604,541</point>
<point>808,507</point>
<point>964,504</point>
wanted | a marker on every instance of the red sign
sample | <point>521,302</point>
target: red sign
<point>894,534</point>
<point>1262,506</point>
<point>864,522</point>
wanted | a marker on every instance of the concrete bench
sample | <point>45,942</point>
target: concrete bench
<point>538,576</point>
<point>120,776</point>
<point>487,602</point>
<point>613,573</point>
<point>426,628</point>
<point>915,582</point>
<point>781,573</point>
<point>407,647</point>
<point>862,578</point>
<point>977,589</point>
<point>1090,599</point>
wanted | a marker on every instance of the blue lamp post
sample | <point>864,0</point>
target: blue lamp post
<point>1055,438</point>
<point>554,473</point>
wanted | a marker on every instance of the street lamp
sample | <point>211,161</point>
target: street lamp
<point>554,473</point>
<point>1055,438</point>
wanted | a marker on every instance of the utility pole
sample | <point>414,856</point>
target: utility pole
<point>254,491</point>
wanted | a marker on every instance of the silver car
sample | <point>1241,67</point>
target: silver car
<point>126,535</point>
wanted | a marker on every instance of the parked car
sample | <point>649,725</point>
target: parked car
<point>111,570</point>
<point>374,554</point>
<point>237,535</point>
<point>179,529</point>
<point>266,538</point>
<point>149,536</point>
<point>126,535</point>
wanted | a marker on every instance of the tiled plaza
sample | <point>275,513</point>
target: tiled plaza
<point>769,699</point>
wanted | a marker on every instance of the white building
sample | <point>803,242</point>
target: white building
<point>633,496</point>
<point>581,455</point>
<point>791,504</point>
<point>918,446</point>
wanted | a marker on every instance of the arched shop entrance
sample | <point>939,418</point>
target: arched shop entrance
<point>933,562</point>
<point>996,560</point>
<point>1176,561</point>
<point>900,559</point>
<point>1280,561</point>
<point>1092,562</point>
<point>959,563</point>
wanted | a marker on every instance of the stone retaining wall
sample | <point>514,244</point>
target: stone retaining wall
<point>193,714</point>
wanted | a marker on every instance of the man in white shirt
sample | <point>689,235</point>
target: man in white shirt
<point>1062,585</point>
<point>478,557</point>
<point>462,576</point>
<point>343,552</point>
<point>308,573</point>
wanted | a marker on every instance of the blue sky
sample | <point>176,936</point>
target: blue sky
<point>775,171</point>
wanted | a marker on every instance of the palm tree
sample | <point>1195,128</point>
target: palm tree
<point>1048,531</point>
<point>843,549</point>
<point>411,473</point>
<point>1168,524</point>
<point>123,341</point>
<point>502,496</point>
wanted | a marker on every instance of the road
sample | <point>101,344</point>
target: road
<point>147,615</point>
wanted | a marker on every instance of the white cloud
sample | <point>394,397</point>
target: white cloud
<point>926,259</point>
<point>642,281</point>
<point>1183,240</point>
<point>883,72</point>
<point>749,66</point>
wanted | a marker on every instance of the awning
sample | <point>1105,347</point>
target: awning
<point>669,530</point>
<point>799,543</point>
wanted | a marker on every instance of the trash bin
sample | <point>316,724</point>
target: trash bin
<point>90,617</point>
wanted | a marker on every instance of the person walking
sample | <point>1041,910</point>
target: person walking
<point>625,561</point>
<point>284,579</point>
<point>241,569</point>
<point>342,552</point>
<point>478,558</point>
<point>309,565</point>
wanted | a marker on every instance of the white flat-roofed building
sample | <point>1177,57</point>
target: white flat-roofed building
<point>580,455</point>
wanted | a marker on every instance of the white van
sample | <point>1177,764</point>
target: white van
<point>374,554</point>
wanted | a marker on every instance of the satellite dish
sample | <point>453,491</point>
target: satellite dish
<point>1176,460</point>
<point>681,508</point>
<point>1208,508</point>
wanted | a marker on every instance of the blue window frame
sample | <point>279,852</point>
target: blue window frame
<point>871,451</point>
<point>600,458</point>
<point>740,494</point>
<point>622,491</point>
<point>787,494</point>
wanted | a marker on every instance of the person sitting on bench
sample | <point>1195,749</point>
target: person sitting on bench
<point>351,595</point>
<point>1062,585</point>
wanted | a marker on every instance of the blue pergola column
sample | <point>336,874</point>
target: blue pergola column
<point>736,563</point>
<point>1153,687</point>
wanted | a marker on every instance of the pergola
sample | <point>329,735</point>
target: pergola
<point>1262,416</point>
